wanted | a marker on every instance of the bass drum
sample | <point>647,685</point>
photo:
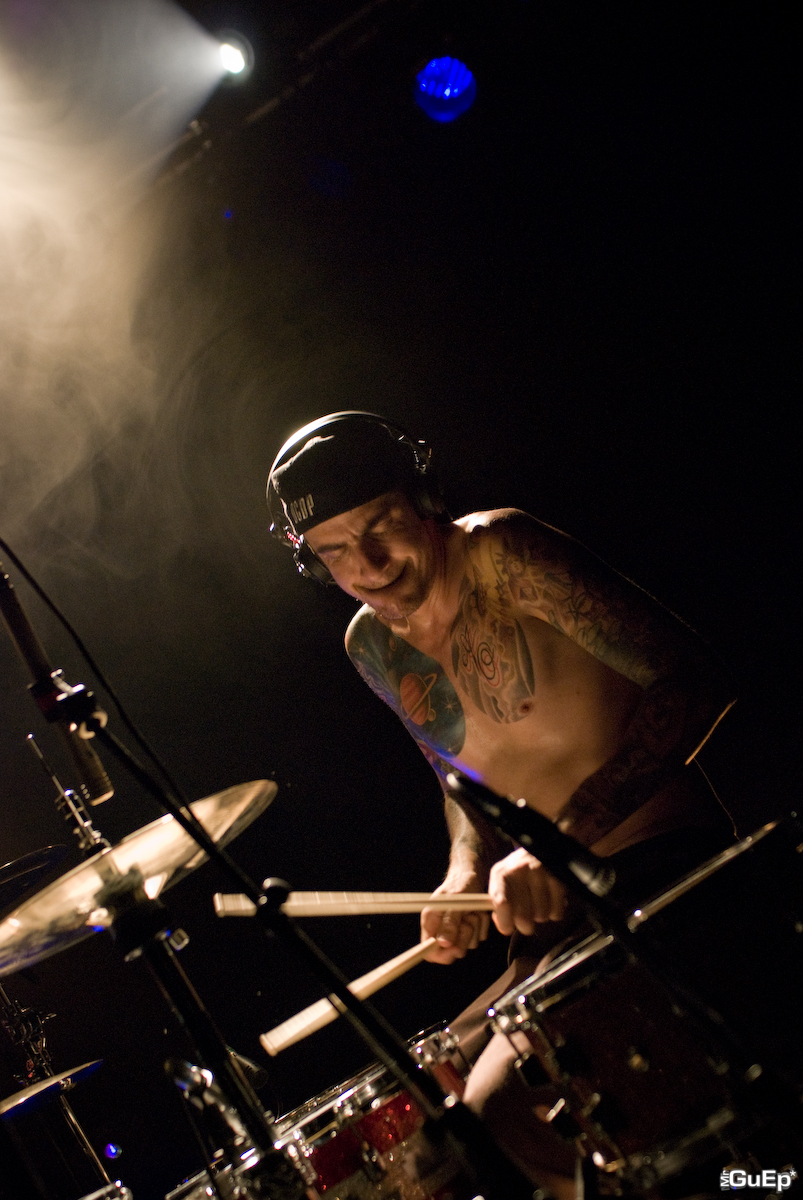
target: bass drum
<point>649,1081</point>
<point>363,1140</point>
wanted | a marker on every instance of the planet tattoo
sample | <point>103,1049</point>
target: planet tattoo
<point>414,692</point>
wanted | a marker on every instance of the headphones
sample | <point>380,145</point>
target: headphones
<point>423,489</point>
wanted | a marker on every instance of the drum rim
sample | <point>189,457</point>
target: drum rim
<point>595,943</point>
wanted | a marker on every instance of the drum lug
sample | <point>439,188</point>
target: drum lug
<point>344,1112</point>
<point>560,1118</point>
<point>372,1164</point>
<point>298,1153</point>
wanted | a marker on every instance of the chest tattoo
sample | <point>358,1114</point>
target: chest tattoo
<point>491,658</point>
<point>414,685</point>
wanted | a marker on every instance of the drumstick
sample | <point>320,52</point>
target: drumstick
<point>342,904</point>
<point>323,1011</point>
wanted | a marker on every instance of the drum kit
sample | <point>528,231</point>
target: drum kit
<point>664,1046</point>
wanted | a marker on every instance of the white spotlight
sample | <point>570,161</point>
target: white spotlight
<point>232,58</point>
<point>236,56</point>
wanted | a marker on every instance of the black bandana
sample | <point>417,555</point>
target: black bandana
<point>330,475</point>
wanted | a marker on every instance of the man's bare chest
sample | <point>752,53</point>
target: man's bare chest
<point>483,686</point>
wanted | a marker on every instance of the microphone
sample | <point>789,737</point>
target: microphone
<point>562,855</point>
<point>46,688</point>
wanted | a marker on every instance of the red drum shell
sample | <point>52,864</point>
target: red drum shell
<point>362,1139</point>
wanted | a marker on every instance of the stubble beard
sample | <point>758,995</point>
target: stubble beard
<point>399,608</point>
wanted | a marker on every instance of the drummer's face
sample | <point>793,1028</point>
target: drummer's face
<point>382,553</point>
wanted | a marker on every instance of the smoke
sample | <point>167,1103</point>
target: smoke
<point>92,95</point>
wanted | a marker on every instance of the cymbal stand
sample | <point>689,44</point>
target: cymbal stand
<point>140,927</point>
<point>73,809</point>
<point>24,1028</point>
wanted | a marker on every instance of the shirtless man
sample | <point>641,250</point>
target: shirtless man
<point>509,650</point>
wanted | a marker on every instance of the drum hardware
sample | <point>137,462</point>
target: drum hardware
<point>139,927</point>
<point>58,915</point>
<point>363,1138</point>
<point>68,910</point>
<point>45,1089</point>
<point>47,687</point>
<point>215,1124</point>
<point>24,1028</point>
<point>655,1090</point>
<point>72,808</point>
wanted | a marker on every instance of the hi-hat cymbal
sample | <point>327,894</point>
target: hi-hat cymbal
<point>156,857</point>
<point>46,1089</point>
<point>23,875</point>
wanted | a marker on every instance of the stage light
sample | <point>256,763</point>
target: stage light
<point>445,89</point>
<point>112,1150</point>
<point>232,58</point>
<point>236,56</point>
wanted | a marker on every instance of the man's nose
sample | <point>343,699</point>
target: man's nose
<point>373,554</point>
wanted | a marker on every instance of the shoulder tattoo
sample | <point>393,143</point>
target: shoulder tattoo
<point>414,685</point>
<point>593,605</point>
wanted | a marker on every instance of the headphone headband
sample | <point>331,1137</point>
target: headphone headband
<point>423,490</point>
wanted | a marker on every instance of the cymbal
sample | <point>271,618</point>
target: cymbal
<point>156,856</point>
<point>46,1089</point>
<point>21,876</point>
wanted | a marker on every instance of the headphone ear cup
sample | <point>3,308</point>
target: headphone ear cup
<point>428,501</point>
<point>309,565</point>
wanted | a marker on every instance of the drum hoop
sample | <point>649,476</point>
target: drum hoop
<point>683,885</point>
<point>542,984</point>
<point>572,958</point>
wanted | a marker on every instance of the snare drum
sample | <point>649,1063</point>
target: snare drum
<point>646,1086</point>
<point>362,1139</point>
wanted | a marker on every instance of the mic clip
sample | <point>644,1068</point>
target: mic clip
<point>70,705</point>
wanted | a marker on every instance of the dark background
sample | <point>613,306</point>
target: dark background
<point>579,292</point>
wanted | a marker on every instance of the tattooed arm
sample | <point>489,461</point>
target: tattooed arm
<point>417,689</point>
<point>542,573</point>
<point>475,847</point>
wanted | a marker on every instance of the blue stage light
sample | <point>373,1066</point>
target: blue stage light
<point>445,89</point>
<point>112,1150</point>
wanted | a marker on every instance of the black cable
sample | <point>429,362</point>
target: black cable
<point>80,645</point>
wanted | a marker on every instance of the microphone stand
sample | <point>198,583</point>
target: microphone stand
<point>584,874</point>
